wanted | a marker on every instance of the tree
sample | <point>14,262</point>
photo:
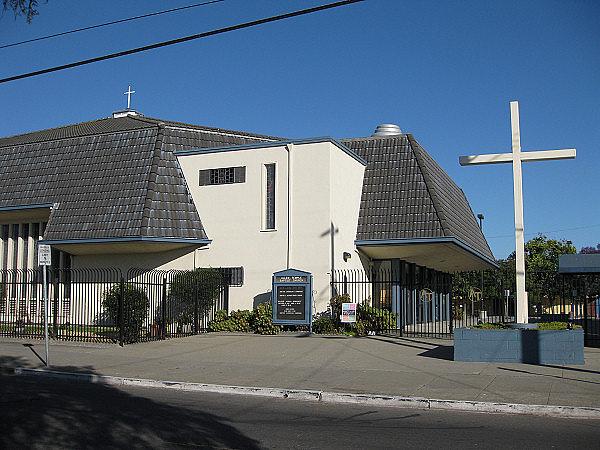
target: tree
<point>541,272</point>
<point>590,250</point>
<point>135,309</point>
<point>25,8</point>
<point>193,292</point>
<point>541,267</point>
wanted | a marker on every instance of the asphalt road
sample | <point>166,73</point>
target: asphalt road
<point>39,413</point>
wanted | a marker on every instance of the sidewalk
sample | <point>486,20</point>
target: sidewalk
<point>375,365</point>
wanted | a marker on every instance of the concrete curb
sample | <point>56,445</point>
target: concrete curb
<point>326,397</point>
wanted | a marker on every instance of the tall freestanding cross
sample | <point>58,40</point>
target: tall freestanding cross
<point>128,94</point>
<point>516,157</point>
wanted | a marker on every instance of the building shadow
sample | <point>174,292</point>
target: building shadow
<point>265,297</point>
<point>432,351</point>
<point>54,413</point>
<point>440,352</point>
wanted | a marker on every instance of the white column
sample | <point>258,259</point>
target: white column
<point>20,248</point>
<point>522,312</point>
<point>31,248</point>
<point>10,257</point>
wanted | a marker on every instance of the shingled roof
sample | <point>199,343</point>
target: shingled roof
<point>408,196</point>
<point>110,178</point>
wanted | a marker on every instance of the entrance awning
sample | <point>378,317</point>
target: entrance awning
<point>445,254</point>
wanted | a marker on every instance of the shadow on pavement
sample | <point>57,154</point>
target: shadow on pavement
<point>574,369</point>
<point>41,412</point>
<point>433,351</point>
<point>560,377</point>
<point>440,352</point>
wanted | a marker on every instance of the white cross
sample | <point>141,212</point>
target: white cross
<point>516,157</point>
<point>128,94</point>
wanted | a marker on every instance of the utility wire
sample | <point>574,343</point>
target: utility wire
<point>91,27</point>
<point>192,37</point>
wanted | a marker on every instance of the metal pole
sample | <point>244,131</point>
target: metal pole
<point>46,316</point>
<point>480,217</point>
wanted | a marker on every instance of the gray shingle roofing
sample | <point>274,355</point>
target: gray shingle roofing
<point>407,195</point>
<point>118,177</point>
<point>111,178</point>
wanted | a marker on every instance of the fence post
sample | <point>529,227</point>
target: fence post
<point>196,312</point>
<point>585,312</point>
<point>226,296</point>
<point>121,311</point>
<point>451,318</point>
<point>55,304</point>
<point>164,308</point>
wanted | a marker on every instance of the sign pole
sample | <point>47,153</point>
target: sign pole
<point>45,259</point>
<point>46,315</point>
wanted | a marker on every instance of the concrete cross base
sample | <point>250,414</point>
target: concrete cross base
<point>528,346</point>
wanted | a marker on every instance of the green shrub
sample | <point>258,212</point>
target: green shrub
<point>135,309</point>
<point>375,319</point>
<point>191,289</point>
<point>259,321</point>
<point>360,329</point>
<point>324,325</point>
<point>238,321</point>
<point>336,307</point>
<point>262,320</point>
<point>555,326</point>
<point>491,326</point>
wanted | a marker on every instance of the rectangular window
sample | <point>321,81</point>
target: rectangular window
<point>222,175</point>
<point>269,200</point>
<point>233,276</point>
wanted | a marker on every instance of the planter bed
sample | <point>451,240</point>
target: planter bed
<point>519,346</point>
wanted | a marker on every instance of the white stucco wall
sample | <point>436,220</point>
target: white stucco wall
<point>325,187</point>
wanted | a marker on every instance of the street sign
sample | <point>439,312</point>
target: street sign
<point>45,260</point>
<point>44,255</point>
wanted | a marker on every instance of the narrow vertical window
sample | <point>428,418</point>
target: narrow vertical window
<point>269,196</point>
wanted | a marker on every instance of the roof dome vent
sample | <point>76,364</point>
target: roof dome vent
<point>387,129</point>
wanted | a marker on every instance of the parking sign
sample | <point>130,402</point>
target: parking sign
<point>44,255</point>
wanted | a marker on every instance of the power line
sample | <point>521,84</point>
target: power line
<point>91,27</point>
<point>192,37</point>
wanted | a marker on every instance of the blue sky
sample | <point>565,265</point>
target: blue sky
<point>444,71</point>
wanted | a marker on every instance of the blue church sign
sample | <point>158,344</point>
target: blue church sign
<point>292,297</point>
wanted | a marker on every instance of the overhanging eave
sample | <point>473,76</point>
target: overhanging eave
<point>445,254</point>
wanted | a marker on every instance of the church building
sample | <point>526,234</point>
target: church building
<point>131,191</point>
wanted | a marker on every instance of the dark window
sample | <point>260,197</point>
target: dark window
<point>15,237</point>
<point>233,276</point>
<point>270,196</point>
<point>36,236</point>
<point>25,245</point>
<point>5,246</point>
<point>223,175</point>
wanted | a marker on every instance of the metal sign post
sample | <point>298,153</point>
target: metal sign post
<point>45,259</point>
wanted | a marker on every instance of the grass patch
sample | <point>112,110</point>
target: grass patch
<point>556,326</point>
<point>490,326</point>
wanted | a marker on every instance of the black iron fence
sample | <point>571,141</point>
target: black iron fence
<point>420,302</point>
<point>573,298</point>
<point>105,305</point>
<point>423,302</point>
